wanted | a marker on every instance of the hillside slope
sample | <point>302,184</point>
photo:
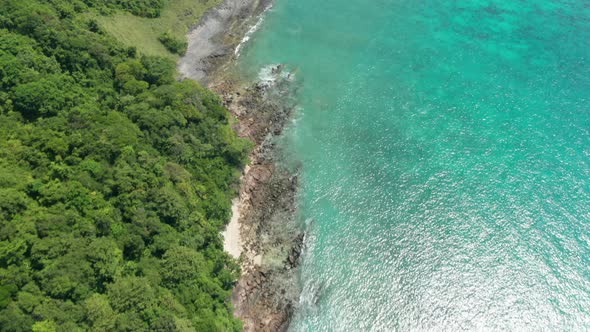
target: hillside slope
<point>115,180</point>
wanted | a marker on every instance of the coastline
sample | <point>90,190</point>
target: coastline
<point>212,42</point>
<point>262,233</point>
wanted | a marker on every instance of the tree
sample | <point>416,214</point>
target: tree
<point>158,71</point>
<point>43,97</point>
<point>182,264</point>
<point>100,313</point>
<point>105,258</point>
<point>44,326</point>
<point>172,44</point>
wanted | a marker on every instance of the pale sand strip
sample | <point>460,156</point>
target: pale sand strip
<point>232,239</point>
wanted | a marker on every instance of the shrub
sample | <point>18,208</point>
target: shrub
<point>172,44</point>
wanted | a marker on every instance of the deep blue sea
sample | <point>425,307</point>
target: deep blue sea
<point>446,161</point>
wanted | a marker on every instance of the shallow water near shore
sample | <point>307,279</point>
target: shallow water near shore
<point>445,151</point>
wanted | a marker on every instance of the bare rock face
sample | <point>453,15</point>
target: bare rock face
<point>212,42</point>
<point>267,292</point>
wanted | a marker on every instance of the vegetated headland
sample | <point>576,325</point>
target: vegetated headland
<point>263,232</point>
<point>116,178</point>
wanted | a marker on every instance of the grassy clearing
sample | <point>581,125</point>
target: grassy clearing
<point>176,18</point>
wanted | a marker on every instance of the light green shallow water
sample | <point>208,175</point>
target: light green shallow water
<point>445,150</point>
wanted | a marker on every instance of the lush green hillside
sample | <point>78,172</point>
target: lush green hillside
<point>145,33</point>
<point>115,180</point>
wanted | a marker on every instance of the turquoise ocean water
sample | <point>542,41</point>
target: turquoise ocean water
<point>446,161</point>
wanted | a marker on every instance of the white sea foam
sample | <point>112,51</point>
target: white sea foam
<point>251,31</point>
<point>269,74</point>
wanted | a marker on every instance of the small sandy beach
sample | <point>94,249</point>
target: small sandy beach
<point>232,239</point>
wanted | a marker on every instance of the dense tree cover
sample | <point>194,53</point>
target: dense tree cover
<point>144,8</point>
<point>115,180</point>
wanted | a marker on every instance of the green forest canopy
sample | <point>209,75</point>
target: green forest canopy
<point>115,180</point>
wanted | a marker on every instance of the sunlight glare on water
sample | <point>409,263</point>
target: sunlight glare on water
<point>445,150</point>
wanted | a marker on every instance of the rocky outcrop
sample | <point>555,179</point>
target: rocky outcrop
<point>212,42</point>
<point>267,292</point>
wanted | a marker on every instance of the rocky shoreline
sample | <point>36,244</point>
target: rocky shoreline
<point>266,293</point>
<point>213,41</point>
<point>271,240</point>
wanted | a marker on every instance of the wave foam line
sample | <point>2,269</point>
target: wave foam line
<point>252,30</point>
